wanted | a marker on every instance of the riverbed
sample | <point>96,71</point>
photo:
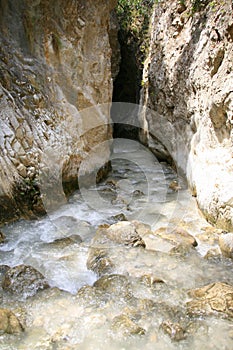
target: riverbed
<point>148,287</point>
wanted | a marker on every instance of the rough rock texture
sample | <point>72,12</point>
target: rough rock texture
<point>213,299</point>
<point>9,322</point>
<point>23,280</point>
<point>226,245</point>
<point>188,87</point>
<point>55,60</point>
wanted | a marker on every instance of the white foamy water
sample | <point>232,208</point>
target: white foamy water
<point>59,318</point>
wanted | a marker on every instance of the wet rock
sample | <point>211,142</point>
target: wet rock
<point>2,237</point>
<point>174,330</point>
<point>213,254</point>
<point>215,298</point>
<point>9,323</point>
<point>226,245</point>
<point>177,236</point>
<point>99,261</point>
<point>125,232</point>
<point>114,285</point>
<point>119,217</point>
<point>138,193</point>
<point>65,241</point>
<point>126,326</point>
<point>150,280</point>
<point>181,249</point>
<point>23,280</point>
<point>174,185</point>
<point>209,234</point>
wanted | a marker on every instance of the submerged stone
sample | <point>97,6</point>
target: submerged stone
<point>114,285</point>
<point>99,261</point>
<point>174,330</point>
<point>126,326</point>
<point>23,280</point>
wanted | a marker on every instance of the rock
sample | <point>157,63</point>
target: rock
<point>212,299</point>
<point>9,323</point>
<point>114,286</point>
<point>126,326</point>
<point>174,330</point>
<point>125,232</point>
<point>150,280</point>
<point>226,245</point>
<point>209,234</point>
<point>119,217</point>
<point>177,236</point>
<point>82,54</point>
<point>65,241</point>
<point>23,280</point>
<point>2,237</point>
<point>99,262</point>
<point>197,68</point>
<point>174,185</point>
<point>213,254</point>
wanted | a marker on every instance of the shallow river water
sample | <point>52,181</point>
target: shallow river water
<point>128,312</point>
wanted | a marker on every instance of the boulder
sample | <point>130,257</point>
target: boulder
<point>23,280</point>
<point>212,299</point>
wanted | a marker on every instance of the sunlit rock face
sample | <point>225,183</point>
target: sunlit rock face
<point>55,61</point>
<point>187,84</point>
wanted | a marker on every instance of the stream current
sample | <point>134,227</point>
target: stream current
<point>74,315</point>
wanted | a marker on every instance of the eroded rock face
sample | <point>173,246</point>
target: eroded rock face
<point>55,61</point>
<point>188,87</point>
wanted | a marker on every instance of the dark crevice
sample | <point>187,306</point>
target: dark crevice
<point>127,84</point>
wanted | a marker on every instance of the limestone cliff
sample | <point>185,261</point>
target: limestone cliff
<point>55,60</point>
<point>188,85</point>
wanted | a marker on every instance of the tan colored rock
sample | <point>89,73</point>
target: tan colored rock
<point>177,236</point>
<point>9,323</point>
<point>126,326</point>
<point>23,280</point>
<point>62,65</point>
<point>187,89</point>
<point>125,232</point>
<point>215,298</point>
<point>174,330</point>
<point>226,244</point>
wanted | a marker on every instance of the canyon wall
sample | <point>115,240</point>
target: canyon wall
<point>55,61</point>
<point>188,90</point>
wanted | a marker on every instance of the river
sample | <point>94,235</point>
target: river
<point>128,314</point>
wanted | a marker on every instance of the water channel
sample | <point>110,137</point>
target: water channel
<point>77,312</point>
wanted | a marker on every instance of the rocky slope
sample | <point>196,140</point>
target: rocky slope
<point>188,88</point>
<point>55,61</point>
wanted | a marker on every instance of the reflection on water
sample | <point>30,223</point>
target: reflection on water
<point>78,314</point>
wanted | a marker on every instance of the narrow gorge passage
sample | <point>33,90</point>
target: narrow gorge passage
<point>127,262</point>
